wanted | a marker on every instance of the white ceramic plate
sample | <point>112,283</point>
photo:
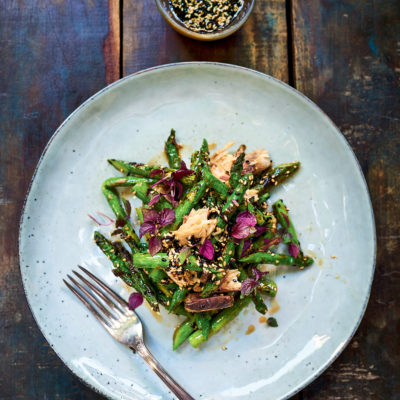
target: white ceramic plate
<point>320,307</point>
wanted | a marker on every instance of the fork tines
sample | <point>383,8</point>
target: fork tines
<point>106,305</point>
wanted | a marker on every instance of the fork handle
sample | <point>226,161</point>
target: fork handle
<point>179,392</point>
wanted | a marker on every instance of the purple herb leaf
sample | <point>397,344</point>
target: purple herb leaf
<point>259,230</point>
<point>155,172</point>
<point>154,245</point>
<point>176,191</point>
<point>147,227</point>
<point>247,218</point>
<point>242,231</point>
<point>207,249</point>
<point>257,273</point>
<point>181,172</point>
<point>172,182</point>
<point>150,215</point>
<point>293,250</point>
<point>248,285</point>
<point>166,217</point>
<point>135,300</point>
<point>162,180</point>
<point>246,246</point>
<point>154,200</point>
<point>127,206</point>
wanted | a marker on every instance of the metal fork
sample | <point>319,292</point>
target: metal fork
<point>124,325</point>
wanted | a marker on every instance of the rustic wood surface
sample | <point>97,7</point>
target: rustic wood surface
<point>345,55</point>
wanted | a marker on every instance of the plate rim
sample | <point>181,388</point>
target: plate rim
<point>335,354</point>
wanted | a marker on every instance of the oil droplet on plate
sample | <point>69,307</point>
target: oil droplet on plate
<point>250,329</point>
<point>158,159</point>
<point>311,253</point>
<point>262,319</point>
<point>274,307</point>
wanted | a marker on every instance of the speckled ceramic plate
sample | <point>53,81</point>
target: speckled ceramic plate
<point>320,307</point>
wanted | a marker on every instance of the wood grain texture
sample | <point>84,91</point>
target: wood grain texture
<point>261,44</point>
<point>54,55</point>
<point>347,59</point>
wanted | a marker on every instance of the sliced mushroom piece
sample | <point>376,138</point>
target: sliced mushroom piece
<point>195,303</point>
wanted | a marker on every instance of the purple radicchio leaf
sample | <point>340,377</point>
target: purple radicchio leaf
<point>242,231</point>
<point>258,274</point>
<point>101,223</point>
<point>166,217</point>
<point>150,215</point>
<point>246,246</point>
<point>248,285</point>
<point>154,245</point>
<point>247,218</point>
<point>154,200</point>
<point>135,300</point>
<point>207,249</point>
<point>147,227</point>
<point>293,250</point>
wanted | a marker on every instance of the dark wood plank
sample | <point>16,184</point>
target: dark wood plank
<point>54,55</point>
<point>261,44</point>
<point>347,59</point>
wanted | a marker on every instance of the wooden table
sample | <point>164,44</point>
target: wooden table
<point>343,54</point>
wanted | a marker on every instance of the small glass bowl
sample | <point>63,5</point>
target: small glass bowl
<point>237,22</point>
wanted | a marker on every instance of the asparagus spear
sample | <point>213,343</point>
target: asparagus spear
<point>172,152</point>
<point>132,168</point>
<point>290,235</point>
<point>213,182</point>
<point>183,331</point>
<point>236,197</point>
<point>203,321</point>
<point>236,171</point>
<point>219,321</point>
<point>275,258</point>
<point>177,298</point>
<point>122,218</point>
<point>145,260</point>
<point>128,273</point>
<point>276,176</point>
<point>200,159</point>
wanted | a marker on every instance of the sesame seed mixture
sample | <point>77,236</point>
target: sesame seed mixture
<point>206,15</point>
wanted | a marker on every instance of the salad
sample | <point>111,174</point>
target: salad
<point>203,233</point>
